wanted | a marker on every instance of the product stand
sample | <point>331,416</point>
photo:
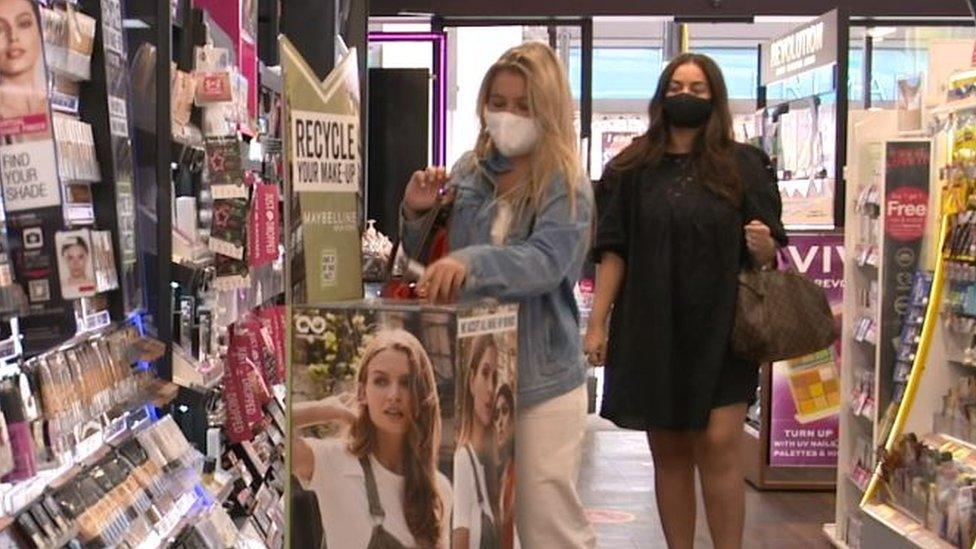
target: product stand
<point>804,182</point>
<point>942,362</point>
<point>871,511</point>
<point>143,156</point>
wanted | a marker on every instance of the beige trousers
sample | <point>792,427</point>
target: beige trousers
<point>548,452</point>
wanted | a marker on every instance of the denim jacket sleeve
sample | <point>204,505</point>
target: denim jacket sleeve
<point>412,231</point>
<point>536,266</point>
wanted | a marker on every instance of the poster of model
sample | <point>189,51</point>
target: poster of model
<point>403,425</point>
<point>806,396</point>
<point>29,176</point>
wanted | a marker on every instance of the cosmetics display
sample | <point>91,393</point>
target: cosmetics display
<point>931,480</point>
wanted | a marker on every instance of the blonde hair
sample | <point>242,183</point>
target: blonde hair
<point>423,507</point>
<point>551,104</point>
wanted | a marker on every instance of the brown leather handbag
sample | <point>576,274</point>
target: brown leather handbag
<point>780,314</point>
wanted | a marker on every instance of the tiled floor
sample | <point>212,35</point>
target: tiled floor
<point>617,480</point>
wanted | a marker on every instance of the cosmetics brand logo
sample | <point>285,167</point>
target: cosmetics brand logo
<point>805,48</point>
<point>906,209</point>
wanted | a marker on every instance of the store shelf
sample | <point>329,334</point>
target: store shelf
<point>962,451</point>
<point>955,106</point>
<point>87,454</point>
<point>905,526</point>
<point>830,532</point>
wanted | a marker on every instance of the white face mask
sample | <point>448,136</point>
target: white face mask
<point>513,135</point>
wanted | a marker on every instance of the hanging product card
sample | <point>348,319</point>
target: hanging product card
<point>225,171</point>
<point>75,265</point>
<point>106,275</point>
<point>265,226</point>
<point>230,274</point>
<point>273,320</point>
<point>806,395</point>
<point>324,162</point>
<point>228,232</point>
<point>244,341</point>
<point>236,424</point>
<point>212,71</point>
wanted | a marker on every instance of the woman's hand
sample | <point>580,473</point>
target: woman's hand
<point>595,344</point>
<point>339,409</point>
<point>442,281</point>
<point>760,242</point>
<point>424,190</point>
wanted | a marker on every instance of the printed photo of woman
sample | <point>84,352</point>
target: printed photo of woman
<point>475,511</point>
<point>376,484</point>
<point>503,420</point>
<point>23,79</point>
<point>75,267</point>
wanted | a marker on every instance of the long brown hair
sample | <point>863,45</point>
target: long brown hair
<point>551,104</point>
<point>423,507</point>
<point>480,346</point>
<point>714,150</point>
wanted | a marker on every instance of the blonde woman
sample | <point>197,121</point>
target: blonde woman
<point>378,488</point>
<point>520,219</point>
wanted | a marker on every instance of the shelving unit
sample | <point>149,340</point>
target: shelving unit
<point>937,369</point>
<point>880,256</point>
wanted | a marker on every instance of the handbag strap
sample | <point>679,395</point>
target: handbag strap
<point>428,230</point>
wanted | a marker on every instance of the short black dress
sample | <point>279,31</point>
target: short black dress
<point>669,361</point>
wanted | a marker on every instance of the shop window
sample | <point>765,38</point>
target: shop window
<point>889,65</point>
<point>740,68</point>
<point>618,73</point>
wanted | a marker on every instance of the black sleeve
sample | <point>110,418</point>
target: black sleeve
<point>761,198</point>
<point>612,215</point>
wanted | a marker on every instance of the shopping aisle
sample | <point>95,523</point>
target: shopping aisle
<point>617,485</point>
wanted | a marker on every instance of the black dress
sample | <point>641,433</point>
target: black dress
<point>669,362</point>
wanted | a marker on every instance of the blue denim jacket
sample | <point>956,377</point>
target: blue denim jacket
<point>537,268</point>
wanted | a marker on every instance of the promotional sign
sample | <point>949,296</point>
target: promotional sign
<point>906,203</point>
<point>265,228</point>
<point>463,363</point>
<point>32,190</point>
<point>324,169</point>
<point>805,398</point>
<point>806,47</point>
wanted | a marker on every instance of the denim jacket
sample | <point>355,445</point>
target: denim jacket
<point>537,268</point>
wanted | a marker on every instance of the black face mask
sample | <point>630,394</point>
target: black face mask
<point>687,111</point>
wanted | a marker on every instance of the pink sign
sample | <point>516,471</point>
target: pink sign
<point>265,233</point>
<point>273,321</point>
<point>805,397</point>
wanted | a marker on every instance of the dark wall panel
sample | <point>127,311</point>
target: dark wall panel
<point>399,115</point>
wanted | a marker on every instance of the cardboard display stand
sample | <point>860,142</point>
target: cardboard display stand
<point>444,379</point>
